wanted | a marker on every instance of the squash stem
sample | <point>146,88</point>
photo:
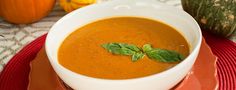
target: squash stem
<point>68,1</point>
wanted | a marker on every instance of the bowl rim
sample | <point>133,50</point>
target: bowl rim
<point>194,50</point>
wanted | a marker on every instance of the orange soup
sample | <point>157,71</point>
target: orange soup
<point>81,51</point>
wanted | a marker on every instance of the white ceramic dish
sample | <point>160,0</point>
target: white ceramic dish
<point>176,18</point>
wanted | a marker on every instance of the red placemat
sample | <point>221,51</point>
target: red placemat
<point>15,74</point>
<point>225,50</point>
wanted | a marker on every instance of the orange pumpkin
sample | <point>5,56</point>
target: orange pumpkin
<point>70,5</point>
<point>25,11</point>
<point>0,13</point>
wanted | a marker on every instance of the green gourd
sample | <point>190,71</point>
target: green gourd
<point>217,16</point>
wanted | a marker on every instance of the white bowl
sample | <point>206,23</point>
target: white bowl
<point>176,18</point>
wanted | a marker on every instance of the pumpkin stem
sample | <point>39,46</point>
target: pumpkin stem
<point>68,1</point>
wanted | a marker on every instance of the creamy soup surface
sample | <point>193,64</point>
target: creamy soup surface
<point>81,51</point>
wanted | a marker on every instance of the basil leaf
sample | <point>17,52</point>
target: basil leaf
<point>164,55</point>
<point>157,54</point>
<point>147,47</point>
<point>137,56</point>
<point>121,48</point>
<point>130,46</point>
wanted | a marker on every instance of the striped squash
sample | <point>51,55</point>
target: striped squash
<point>70,5</point>
<point>217,16</point>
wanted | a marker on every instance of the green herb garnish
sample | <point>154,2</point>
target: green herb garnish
<point>147,47</point>
<point>162,55</point>
<point>137,56</point>
<point>121,48</point>
<point>156,54</point>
